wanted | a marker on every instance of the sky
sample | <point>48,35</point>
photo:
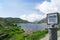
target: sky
<point>30,10</point>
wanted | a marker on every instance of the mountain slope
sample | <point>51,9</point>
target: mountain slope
<point>13,20</point>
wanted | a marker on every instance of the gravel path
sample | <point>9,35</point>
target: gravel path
<point>47,36</point>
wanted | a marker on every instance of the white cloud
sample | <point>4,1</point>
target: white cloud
<point>45,7</point>
<point>32,17</point>
<point>49,7</point>
<point>57,3</point>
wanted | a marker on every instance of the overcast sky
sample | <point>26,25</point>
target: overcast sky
<point>30,10</point>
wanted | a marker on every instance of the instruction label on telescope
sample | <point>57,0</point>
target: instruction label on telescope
<point>52,18</point>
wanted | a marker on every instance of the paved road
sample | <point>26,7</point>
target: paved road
<point>47,36</point>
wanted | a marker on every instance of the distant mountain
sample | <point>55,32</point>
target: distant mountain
<point>45,20</point>
<point>11,21</point>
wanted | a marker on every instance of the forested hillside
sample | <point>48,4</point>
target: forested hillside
<point>13,20</point>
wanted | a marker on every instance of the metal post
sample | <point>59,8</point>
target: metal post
<point>53,33</point>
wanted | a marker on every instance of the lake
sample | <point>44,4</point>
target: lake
<point>33,27</point>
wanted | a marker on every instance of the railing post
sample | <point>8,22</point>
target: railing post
<point>53,33</point>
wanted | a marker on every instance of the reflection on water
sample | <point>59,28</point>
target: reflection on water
<point>33,27</point>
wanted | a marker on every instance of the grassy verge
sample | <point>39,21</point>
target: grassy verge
<point>58,28</point>
<point>14,33</point>
<point>37,35</point>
